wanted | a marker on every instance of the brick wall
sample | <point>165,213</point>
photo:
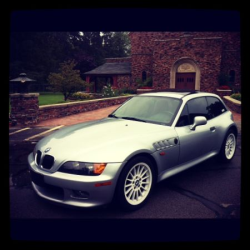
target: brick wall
<point>156,53</point>
<point>222,93</point>
<point>204,52</point>
<point>59,110</point>
<point>139,64</point>
<point>123,81</point>
<point>24,108</point>
<point>231,56</point>
<point>233,104</point>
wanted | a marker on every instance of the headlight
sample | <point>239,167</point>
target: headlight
<point>82,168</point>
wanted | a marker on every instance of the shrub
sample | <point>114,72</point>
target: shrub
<point>108,91</point>
<point>146,83</point>
<point>236,96</point>
<point>67,81</point>
<point>126,90</point>
<point>81,96</point>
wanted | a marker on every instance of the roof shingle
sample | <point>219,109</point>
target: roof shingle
<point>121,68</point>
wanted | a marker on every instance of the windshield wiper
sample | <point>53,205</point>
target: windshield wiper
<point>133,119</point>
<point>111,115</point>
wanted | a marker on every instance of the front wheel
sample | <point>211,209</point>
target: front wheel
<point>135,183</point>
<point>228,147</point>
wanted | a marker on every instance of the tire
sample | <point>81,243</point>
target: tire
<point>228,147</point>
<point>135,183</point>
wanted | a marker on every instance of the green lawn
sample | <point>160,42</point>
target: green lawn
<point>46,99</point>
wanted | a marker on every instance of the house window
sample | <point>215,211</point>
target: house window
<point>232,76</point>
<point>144,76</point>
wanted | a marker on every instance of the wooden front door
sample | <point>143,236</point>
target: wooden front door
<point>185,81</point>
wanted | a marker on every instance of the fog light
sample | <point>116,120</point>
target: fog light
<point>79,194</point>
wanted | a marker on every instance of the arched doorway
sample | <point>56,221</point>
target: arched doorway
<point>185,74</point>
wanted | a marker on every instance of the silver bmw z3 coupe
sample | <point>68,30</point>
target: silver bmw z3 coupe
<point>146,140</point>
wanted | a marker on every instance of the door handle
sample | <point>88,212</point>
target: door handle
<point>212,129</point>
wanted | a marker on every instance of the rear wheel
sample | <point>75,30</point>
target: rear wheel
<point>228,147</point>
<point>135,183</point>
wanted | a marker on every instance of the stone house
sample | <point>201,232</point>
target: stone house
<point>175,60</point>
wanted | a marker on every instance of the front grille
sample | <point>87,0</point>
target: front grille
<point>38,157</point>
<point>48,161</point>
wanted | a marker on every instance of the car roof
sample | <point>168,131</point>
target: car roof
<point>179,95</point>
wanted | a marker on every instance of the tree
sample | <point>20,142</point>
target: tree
<point>39,53</point>
<point>116,44</point>
<point>96,46</point>
<point>68,80</point>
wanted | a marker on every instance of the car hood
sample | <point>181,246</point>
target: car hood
<point>106,140</point>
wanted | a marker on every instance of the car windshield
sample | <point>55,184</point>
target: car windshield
<point>161,110</point>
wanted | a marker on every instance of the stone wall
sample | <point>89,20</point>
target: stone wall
<point>140,63</point>
<point>231,56</point>
<point>24,108</point>
<point>204,52</point>
<point>157,52</point>
<point>59,110</point>
<point>123,81</point>
<point>233,104</point>
<point>222,93</point>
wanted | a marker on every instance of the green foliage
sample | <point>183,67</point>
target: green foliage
<point>39,53</point>
<point>116,44</point>
<point>147,83</point>
<point>126,90</point>
<point>67,81</point>
<point>108,91</point>
<point>236,89</point>
<point>236,96</point>
<point>82,96</point>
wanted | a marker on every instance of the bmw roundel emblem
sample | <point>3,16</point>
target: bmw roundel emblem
<point>47,150</point>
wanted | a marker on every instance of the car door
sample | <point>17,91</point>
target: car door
<point>194,143</point>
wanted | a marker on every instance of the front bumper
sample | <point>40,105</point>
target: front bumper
<point>64,188</point>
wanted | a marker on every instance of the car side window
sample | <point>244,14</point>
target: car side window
<point>215,107</point>
<point>197,107</point>
<point>184,118</point>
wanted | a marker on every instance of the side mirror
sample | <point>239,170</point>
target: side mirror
<point>198,120</point>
